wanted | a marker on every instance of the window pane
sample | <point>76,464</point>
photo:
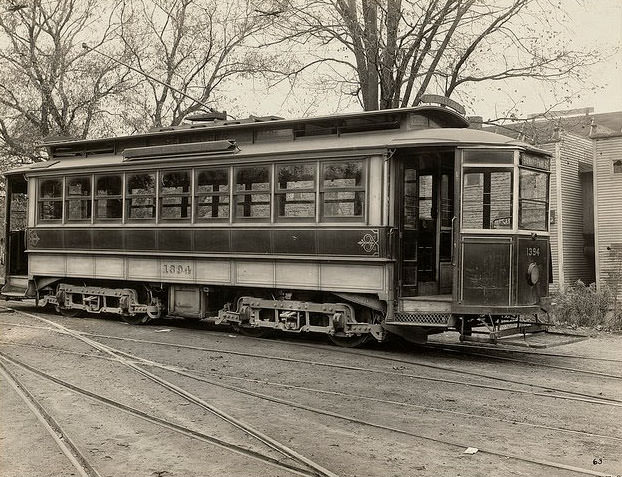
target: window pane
<point>50,210</point>
<point>296,204</point>
<point>212,180</point>
<point>108,185</point>
<point>78,186</point>
<point>78,209</point>
<point>410,197</point>
<point>253,205</point>
<point>141,208</point>
<point>532,215</point>
<point>487,200</point>
<point>213,207</point>
<point>175,207</point>
<point>473,201</point>
<point>108,208</point>
<point>51,188</point>
<point>141,184</point>
<point>344,204</point>
<point>533,185</point>
<point>177,182</point>
<point>296,176</point>
<point>252,178</point>
<point>343,174</point>
<point>500,201</point>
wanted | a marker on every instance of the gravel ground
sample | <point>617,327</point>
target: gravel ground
<point>440,409</point>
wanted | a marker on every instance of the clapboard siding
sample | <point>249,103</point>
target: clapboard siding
<point>574,150</point>
<point>608,204</point>
<point>568,259</point>
<point>554,149</point>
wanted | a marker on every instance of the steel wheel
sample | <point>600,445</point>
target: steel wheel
<point>363,316</point>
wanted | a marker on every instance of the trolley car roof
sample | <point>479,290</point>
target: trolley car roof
<point>308,147</point>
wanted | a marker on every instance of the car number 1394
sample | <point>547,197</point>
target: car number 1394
<point>176,269</point>
<point>533,251</point>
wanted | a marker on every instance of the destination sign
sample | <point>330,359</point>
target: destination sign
<point>537,162</point>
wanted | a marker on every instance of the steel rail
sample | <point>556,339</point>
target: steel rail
<point>574,395</point>
<point>154,419</point>
<point>273,443</point>
<point>568,395</point>
<point>62,439</point>
<point>400,360</point>
<point>323,391</point>
<point>542,462</point>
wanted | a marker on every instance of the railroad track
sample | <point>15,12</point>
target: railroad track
<point>192,433</point>
<point>561,393</point>
<point>201,376</point>
<point>125,358</point>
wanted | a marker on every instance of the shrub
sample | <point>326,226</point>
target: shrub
<point>583,305</point>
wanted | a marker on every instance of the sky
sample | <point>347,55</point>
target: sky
<point>590,23</point>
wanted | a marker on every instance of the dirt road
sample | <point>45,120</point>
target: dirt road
<point>387,411</point>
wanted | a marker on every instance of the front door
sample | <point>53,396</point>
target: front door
<point>425,219</point>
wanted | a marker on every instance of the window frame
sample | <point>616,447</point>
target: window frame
<point>546,203</point>
<point>161,195</point>
<point>364,188</point>
<point>479,169</point>
<point>60,199</point>
<point>278,193</point>
<point>198,195</point>
<point>127,198</point>
<point>68,198</point>
<point>236,194</point>
<point>96,197</point>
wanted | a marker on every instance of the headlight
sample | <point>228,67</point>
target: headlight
<point>533,274</point>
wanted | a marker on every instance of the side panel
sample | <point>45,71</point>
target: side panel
<point>309,275</point>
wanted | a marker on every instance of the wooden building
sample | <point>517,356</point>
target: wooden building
<point>607,149</point>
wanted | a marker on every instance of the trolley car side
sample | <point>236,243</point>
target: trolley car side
<point>353,225</point>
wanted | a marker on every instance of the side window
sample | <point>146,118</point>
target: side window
<point>252,192</point>
<point>212,194</point>
<point>617,167</point>
<point>295,191</point>
<point>140,197</point>
<point>175,199</point>
<point>343,189</point>
<point>108,198</point>
<point>78,199</point>
<point>50,200</point>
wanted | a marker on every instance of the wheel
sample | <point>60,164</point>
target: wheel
<point>364,315</point>
<point>140,319</point>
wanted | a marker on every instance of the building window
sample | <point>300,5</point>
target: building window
<point>295,191</point>
<point>50,204</point>
<point>617,167</point>
<point>487,199</point>
<point>140,197</point>
<point>175,196</point>
<point>343,189</point>
<point>252,192</point>
<point>78,199</point>
<point>212,194</point>
<point>109,198</point>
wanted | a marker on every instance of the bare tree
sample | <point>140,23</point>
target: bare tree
<point>388,53</point>
<point>194,46</point>
<point>49,85</point>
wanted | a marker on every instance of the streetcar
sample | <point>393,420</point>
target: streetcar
<point>359,226</point>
